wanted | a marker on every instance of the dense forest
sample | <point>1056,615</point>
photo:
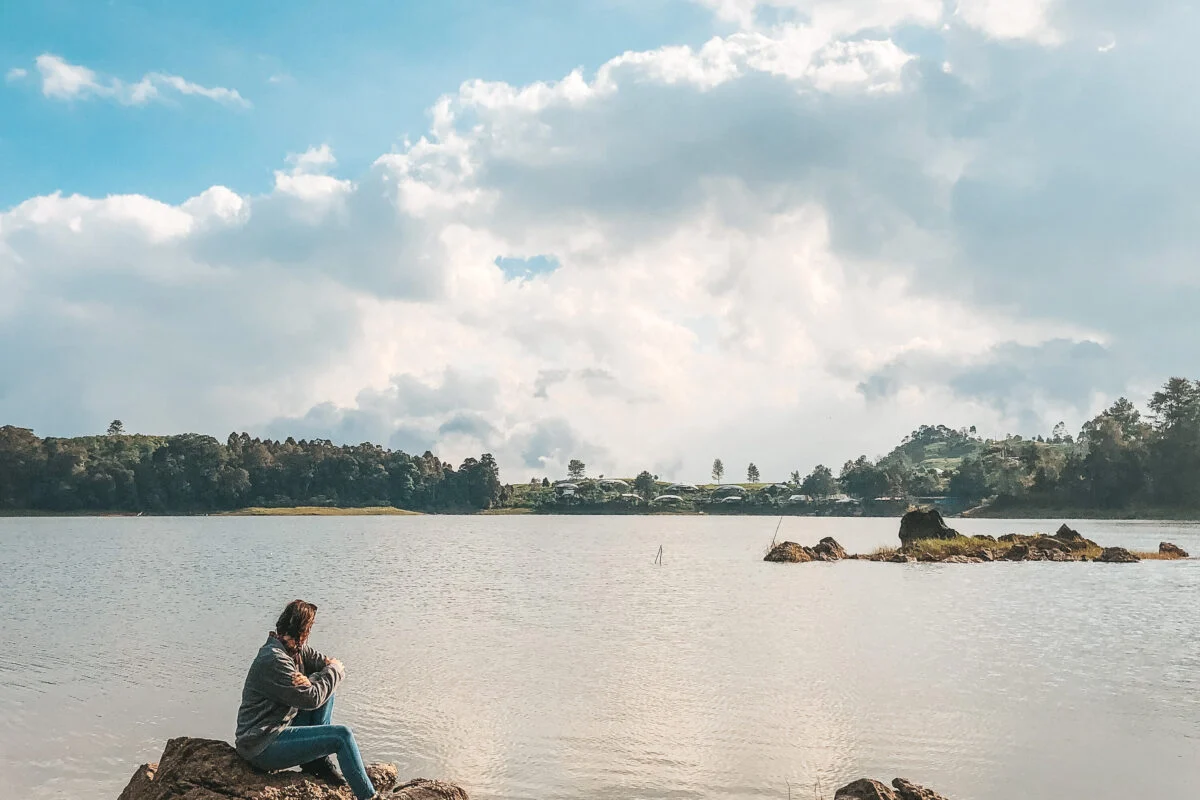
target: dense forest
<point>1121,460</point>
<point>191,473</point>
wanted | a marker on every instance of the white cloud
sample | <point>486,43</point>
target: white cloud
<point>15,74</point>
<point>757,241</point>
<point>62,80</point>
<point>1000,19</point>
<point>1010,19</point>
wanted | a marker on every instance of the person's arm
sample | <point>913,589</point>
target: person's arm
<point>314,661</point>
<point>283,682</point>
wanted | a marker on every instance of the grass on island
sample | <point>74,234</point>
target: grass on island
<point>321,511</point>
<point>938,549</point>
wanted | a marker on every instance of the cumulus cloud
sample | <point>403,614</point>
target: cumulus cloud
<point>787,245</point>
<point>62,80</point>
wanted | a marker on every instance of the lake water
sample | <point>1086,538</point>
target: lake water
<point>549,657</point>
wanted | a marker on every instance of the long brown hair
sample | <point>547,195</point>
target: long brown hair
<point>295,623</point>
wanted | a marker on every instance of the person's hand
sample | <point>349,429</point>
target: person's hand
<point>333,662</point>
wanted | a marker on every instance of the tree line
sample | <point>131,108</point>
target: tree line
<point>193,473</point>
<point>1121,459</point>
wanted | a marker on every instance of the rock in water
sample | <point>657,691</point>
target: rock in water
<point>204,769</point>
<point>1073,539</point>
<point>864,789</point>
<point>829,550</point>
<point>929,524</point>
<point>1172,550</point>
<point>867,789</point>
<point>421,789</point>
<point>1117,555</point>
<point>906,790</point>
<point>789,553</point>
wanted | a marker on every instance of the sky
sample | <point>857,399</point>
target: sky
<point>644,234</point>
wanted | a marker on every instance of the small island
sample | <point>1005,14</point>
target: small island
<point>925,537</point>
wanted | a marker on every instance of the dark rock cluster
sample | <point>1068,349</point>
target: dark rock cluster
<point>867,789</point>
<point>791,553</point>
<point>204,769</point>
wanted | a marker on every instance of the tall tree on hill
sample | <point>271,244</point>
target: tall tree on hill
<point>819,483</point>
<point>863,480</point>
<point>644,484</point>
<point>576,469</point>
<point>116,428</point>
<point>1175,451</point>
<point>752,475</point>
<point>718,470</point>
<point>969,482</point>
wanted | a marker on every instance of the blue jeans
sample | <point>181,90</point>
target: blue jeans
<point>311,736</point>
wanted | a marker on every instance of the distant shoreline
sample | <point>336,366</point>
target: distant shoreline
<point>1145,514</point>
<point>1026,512</point>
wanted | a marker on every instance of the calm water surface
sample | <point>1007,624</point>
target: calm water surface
<point>542,657</point>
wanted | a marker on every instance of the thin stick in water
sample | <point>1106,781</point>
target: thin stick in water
<point>776,530</point>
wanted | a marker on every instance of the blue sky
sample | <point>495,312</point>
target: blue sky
<point>644,234</point>
<point>357,75</point>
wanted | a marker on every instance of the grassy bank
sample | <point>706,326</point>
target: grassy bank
<point>320,511</point>
<point>939,549</point>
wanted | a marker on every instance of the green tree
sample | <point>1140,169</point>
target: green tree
<point>863,480</point>
<point>576,469</point>
<point>645,485</point>
<point>969,482</point>
<point>820,483</point>
<point>115,428</point>
<point>718,470</point>
<point>752,475</point>
<point>1174,462</point>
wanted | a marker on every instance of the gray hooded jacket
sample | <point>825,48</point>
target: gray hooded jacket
<point>277,687</point>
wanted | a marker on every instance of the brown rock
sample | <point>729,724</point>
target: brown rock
<point>789,553</point>
<point>1117,555</point>
<point>928,524</point>
<point>864,789</point>
<point>1073,539</point>
<point>829,550</point>
<point>1172,550</point>
<point>901,558</point>
<point>906,790</point>
<point>1048,543</point>
<point>984,554</point>
<point>422,789</point>
<point>203,769</point>
<point>1018,552</point>
<point>958,560</point>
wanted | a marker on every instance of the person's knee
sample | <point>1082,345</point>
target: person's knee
<point>342,732</point>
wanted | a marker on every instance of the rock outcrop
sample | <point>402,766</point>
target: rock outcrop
<point>789,553</point>
<point>918,524</point>
<point>1172,550</point>
<point>204,769</point>
<point>867,789</point>
<point>864,789</point>
<point>1117,555</point>
<point>829,550</point>
<point>792,553</point>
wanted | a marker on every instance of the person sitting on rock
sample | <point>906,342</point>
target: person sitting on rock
<point>285,719</point>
